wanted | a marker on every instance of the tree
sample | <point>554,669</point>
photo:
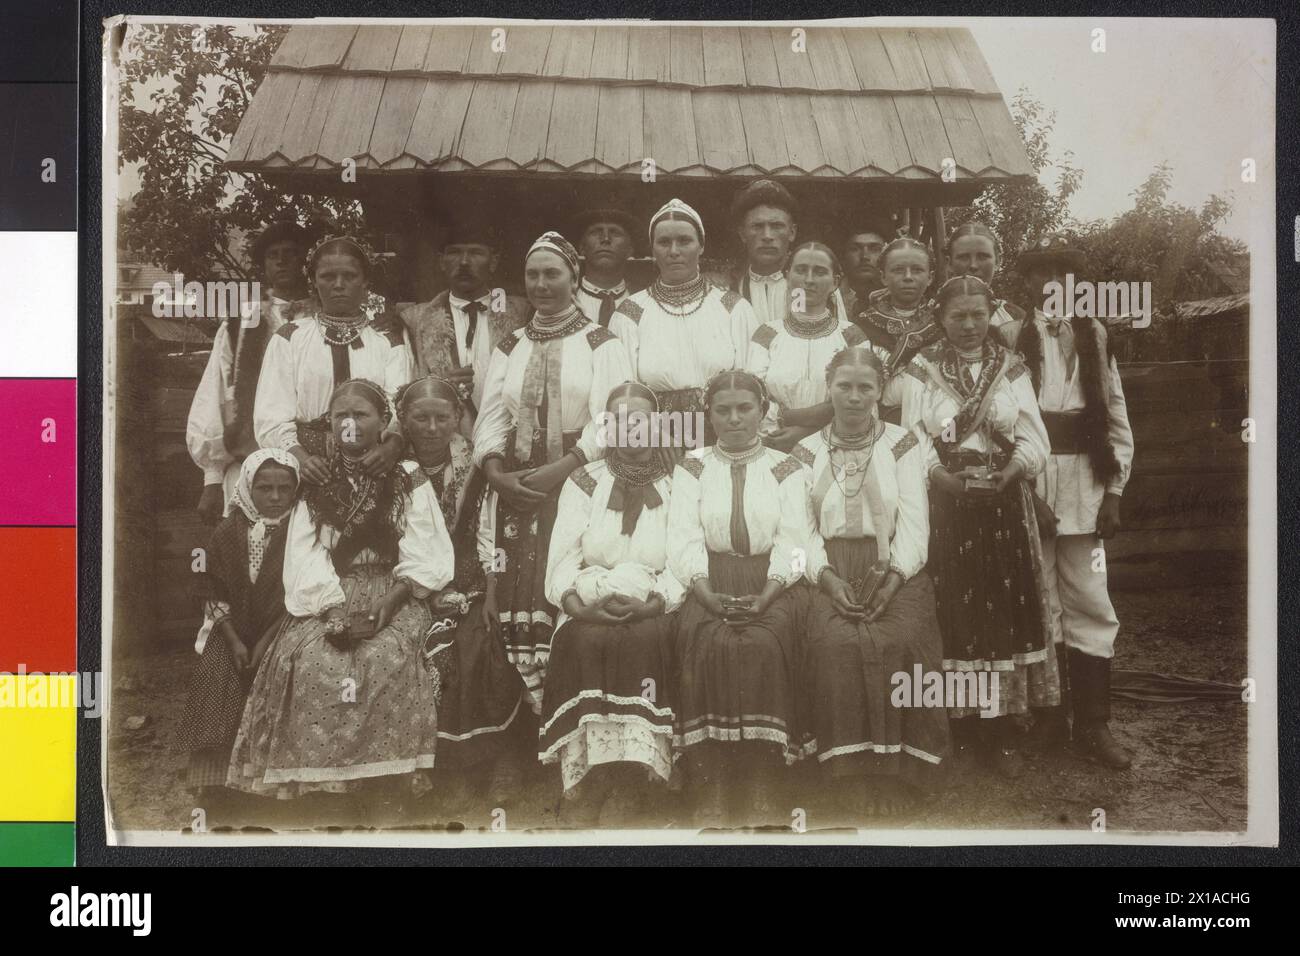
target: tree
<point>1019,212</point>
<point>190,209</point>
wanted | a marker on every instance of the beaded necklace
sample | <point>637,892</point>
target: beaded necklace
<point>742,457</point>
<point>812,327</point>
<point>680,296</point>
<point>338,330</point>
<point>541,327</point>
<point>852,461</point>
<point>635,472</point>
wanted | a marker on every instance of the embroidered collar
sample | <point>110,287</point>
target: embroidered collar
<point>591,290</point>
<point>770,277</point>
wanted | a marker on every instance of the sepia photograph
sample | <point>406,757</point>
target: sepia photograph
<point>559,432</point>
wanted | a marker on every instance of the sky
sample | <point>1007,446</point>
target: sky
<point>1196,93</point>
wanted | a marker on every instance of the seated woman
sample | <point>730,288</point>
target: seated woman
<point>343,697</point>
<point>607,715</point>
<point>789,357</point>
<point>736,523</point>
<point>866,488</point>
<point>244,591</point>
<point>974,398</point>
<point>483,691</point>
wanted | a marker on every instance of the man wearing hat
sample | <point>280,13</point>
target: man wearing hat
<point>454,333</point>
<point>765,217</point>
<point>219,432</point>
<point>604,240</point>
<point>1082,401</point>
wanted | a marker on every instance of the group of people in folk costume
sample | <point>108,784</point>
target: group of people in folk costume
<point>434,554</point>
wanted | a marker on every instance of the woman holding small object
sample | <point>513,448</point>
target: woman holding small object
<point>874,617</point>
<point>738,524</point>
<point>974,399</point>
<point>607,715</point>
<point>483,692</point>
<point>344,699</point>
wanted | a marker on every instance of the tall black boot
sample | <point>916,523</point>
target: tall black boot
<point>1090,694</point>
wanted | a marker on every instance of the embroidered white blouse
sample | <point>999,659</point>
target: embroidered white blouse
<point>592,362</point>
<point>1013,412</point>
<point>794,368</point>
<point>298,376</point>
<point>840,503</point>
<point>424,556</point>
<point>670,352</point>
<point>587,535</point>
<point>775,510</point>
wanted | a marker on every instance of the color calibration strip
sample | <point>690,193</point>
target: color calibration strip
<point>38,437</point>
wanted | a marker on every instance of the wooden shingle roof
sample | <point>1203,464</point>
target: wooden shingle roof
<point>700,100</point>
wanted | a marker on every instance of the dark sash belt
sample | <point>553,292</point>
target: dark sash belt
<point>1065,431</point>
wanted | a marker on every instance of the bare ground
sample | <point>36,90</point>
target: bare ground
<point>1188,773</point>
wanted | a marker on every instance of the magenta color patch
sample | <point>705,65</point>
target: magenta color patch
<point>38,451</point>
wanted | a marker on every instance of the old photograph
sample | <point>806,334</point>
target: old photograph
<point>633,431</point>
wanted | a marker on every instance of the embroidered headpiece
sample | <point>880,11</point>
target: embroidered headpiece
<point>554,242</point>
<point>675,206</point>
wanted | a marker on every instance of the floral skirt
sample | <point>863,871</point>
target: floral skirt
<point>987,564</point>
<point>861,725</point>
<point>482,692</point>
<point>737,682</point>
<point>320,718</point>
<point>609,697</point>
<point>527,618</point>
<point>686,401</point>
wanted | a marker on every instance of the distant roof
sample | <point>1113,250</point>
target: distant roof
<point>176,330</point>
<point>1234,276</point>
<point>1208,308</point>
<point>706,101</point>
<point>140,275</point>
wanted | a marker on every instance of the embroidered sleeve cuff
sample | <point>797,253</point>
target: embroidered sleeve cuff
<point>779,579</point>
<point>900,571</point>
<point>217,611</point>
<point>492,454</point>
<point>1117,487</point>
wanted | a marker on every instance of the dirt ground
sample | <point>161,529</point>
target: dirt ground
<point>1188,773</point>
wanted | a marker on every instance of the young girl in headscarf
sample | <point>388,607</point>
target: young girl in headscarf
<point>243,594</point>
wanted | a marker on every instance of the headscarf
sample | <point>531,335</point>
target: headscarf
<point>681,209</point>
<point>633,489</point>
<point>260,526</point>
<point>554,242</point>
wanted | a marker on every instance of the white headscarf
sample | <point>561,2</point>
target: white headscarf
<point>259,525</point>
<point>679,207</point>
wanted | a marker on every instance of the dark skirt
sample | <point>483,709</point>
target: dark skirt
<point>609,697</point>
<point>861,725</point>
<point>737,681</point>
<point>687,401</point>
<point>481,692</point>
<point>215,704</point>
<point>527,618</point>
<point>986,562</point>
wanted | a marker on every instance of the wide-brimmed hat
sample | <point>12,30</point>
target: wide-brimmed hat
<point>1057,247</point>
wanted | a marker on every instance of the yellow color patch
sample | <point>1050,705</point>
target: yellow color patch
<point>38,747</point>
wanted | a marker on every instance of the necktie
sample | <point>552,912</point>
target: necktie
<point>739,529</point>
<point>472,309</point>
<point>971,381</point>
<point>607,302</point>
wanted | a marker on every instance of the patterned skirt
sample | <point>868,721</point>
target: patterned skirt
<point>609,697</point>
<point>527,618</point>
<point>987,564</point>
<point>737,682</point>
<point>861,725</point>
<point>320,718</point>
<point>212,712</point>
<point>482,691</point>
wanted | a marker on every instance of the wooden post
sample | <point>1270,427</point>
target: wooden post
<point>938,232</point>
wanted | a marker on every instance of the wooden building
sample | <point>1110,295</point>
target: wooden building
<point>529,124</point>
